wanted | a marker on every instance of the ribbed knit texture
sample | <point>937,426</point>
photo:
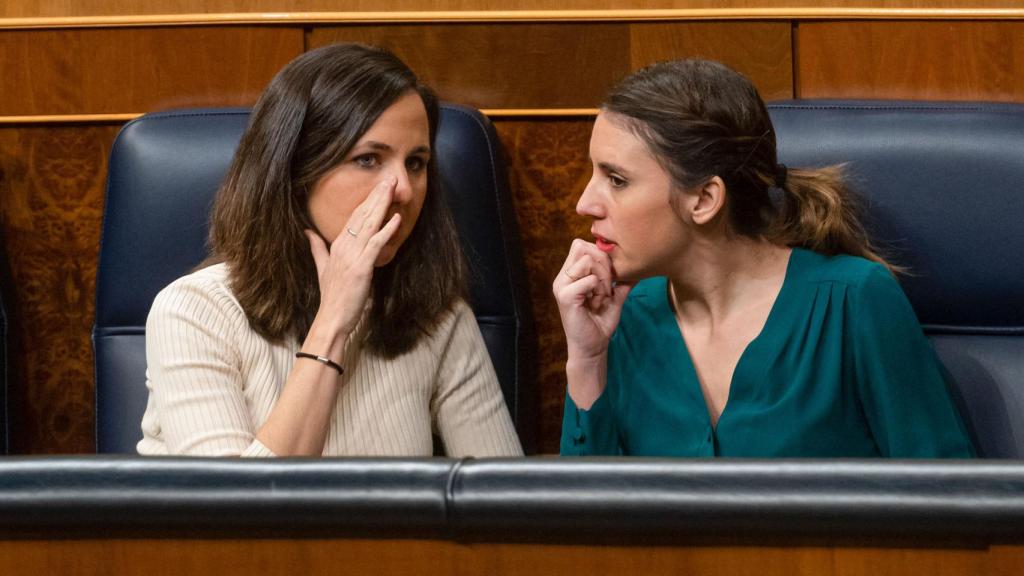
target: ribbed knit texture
<point>213,381</point>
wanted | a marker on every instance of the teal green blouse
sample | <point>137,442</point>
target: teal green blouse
<point>840,369</point>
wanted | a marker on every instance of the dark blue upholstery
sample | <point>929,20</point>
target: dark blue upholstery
<point>942,186</point>
<point>164,171</point>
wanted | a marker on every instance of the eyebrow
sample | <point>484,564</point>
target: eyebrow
<point>609,167</point>
<point>374,145</point>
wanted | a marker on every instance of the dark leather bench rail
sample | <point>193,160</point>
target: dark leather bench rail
<point>639,501</point>
<point>169,496</point>
<point>650,500</point>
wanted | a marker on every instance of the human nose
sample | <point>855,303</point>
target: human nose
<point>590,201</point>
<point>403,184</point>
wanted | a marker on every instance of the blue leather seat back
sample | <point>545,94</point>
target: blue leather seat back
<point>164,171</point>
<point>942,187</point>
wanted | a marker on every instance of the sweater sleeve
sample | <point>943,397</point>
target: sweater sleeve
<point>193,367</point>
<point>467,405</point>
<point>899,380</point>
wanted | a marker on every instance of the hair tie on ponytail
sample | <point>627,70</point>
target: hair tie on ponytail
<point>780,175</point>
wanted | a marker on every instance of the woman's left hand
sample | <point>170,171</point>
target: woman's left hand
<point>346,269</point>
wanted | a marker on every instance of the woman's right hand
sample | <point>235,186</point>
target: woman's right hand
<point>346,268</point>
<point>589,302</point>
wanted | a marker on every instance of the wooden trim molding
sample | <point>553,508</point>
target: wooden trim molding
<point>399,17</point>
<point>68,119</point>
<point>125,117</point>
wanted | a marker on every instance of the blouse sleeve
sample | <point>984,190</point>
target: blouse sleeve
<point>592,432</point>
<point>468,405</point>
<point>595,431</point>
<point>899,380</point>
<point>194,374</point>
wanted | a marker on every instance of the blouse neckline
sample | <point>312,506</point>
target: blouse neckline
<point>744,373</point>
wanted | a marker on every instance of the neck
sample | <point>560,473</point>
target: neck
<point>723,276</point>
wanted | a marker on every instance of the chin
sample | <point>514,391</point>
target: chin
<point>387,254</point>
<point>630,275</point>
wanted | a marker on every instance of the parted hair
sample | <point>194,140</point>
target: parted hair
<point>303,125</point>
<point>702,119</point>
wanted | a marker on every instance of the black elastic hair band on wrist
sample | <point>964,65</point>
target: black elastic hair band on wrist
<point>321,359</point>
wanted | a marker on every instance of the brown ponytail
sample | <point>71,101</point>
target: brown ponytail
<point>820,213</point>
<point>702,119</point>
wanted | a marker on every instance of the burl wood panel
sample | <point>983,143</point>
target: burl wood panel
<point>51,205</point>
<point>228,557</point>
<point>548,169</point>
<point>568,65</point>
<point>139,70</point>
<point>920,60</point>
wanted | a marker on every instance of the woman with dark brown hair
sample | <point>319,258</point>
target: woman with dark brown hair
<point>729,305</point>
<point>329,318</point>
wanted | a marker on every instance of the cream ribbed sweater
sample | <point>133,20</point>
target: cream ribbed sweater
<point>213,381</point>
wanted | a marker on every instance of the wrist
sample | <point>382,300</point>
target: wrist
<point>584,361</point>
<point>325,339</point>
<point>585,379</point>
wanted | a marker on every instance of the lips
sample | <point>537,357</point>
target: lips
<point>604,245</point>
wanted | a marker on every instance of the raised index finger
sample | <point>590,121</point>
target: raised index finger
<point>377,205</point>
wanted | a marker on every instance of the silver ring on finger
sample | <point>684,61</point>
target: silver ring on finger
<point>573,278</point>
<point>352,232</point>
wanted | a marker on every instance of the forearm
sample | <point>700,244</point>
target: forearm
<point>301,417</point>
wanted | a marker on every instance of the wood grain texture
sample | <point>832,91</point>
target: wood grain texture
<point>915,60</point>
<point>503,65</point>
<point>569,65</point>
<point>139,70</point>
<point>548,169</point>
<point>246,557</point>
<point>58,8</point>
<point>51,205</point>
<point>761,50</point>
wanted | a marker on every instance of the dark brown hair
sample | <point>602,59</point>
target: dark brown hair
<point>307,120</point>
<point>703,119</point>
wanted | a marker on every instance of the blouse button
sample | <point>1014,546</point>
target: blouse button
<point>579,437</point>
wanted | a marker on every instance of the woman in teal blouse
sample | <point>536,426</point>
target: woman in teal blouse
<point>729,306</point>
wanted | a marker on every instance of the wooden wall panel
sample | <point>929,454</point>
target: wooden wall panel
<point>504,65</point>
<point>57,8</point>
<point>51,205</point>
<point>569,65</point>
<point>243,557</point>
<point>548,169</point>
<point>761,50</point>
<point>916,60</point>
<point>139,70</point>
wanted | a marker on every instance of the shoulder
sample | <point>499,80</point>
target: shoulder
<point>456,323</point>
<point>205,291</point>
<point>858,274</point>
<point>871,294</point>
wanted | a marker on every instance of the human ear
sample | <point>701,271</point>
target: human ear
<point>709,201</point>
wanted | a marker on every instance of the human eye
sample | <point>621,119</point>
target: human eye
<point>367,160</point>
<point>416,163</point>
<point>617,181</point>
